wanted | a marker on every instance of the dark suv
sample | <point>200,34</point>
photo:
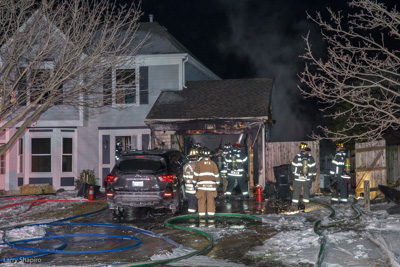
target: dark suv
<point>150,178</point>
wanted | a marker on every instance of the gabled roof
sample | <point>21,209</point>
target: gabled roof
<point>160,40</point>
<point>216,99</point>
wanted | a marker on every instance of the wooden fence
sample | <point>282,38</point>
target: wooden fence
<point>280,153</point>
<point>370,165</point>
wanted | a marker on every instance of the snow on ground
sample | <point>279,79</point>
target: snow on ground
<point>370,240</point>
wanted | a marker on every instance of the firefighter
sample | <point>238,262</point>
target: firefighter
<point>304,171</point>
<point>236,172</point>
<point>207,180</point>
<point>340,175</point>
<point>223,169</point>
<point>190,189</point>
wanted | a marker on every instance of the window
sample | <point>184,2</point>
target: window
<point>35,84</point>
<point>2,164</point>
<point>41,155</point>
<point>67,155</point>
<point>21,155</point>
<point>125,89</point>
<point>38,78</point>
<point>119,87</point>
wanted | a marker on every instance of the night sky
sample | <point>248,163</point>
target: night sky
<point>252,39</point>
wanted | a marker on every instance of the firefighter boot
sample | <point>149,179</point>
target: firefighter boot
<point>301,207</point>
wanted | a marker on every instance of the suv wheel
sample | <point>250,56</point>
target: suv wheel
<point>118,213</point>
<point>179,204</point>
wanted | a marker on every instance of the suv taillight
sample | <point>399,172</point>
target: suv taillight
<point>111,178</point>
<point>167,178</point>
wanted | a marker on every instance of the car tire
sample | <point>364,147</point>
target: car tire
<point>180,203</point>
<point>118,213</point>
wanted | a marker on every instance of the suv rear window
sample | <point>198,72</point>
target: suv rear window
<point>133,165</point>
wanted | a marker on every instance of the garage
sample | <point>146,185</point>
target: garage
<point>215,113</point>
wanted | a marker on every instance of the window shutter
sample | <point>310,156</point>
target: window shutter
<point>106,149</point>
<point>144,85</point>
<point>107,87</point>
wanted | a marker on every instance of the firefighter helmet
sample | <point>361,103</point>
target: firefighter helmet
<point>236,144</point>
<point>205,152</point>
<point>193,153</point>
<point>303,146</point>
<point>339,146</point>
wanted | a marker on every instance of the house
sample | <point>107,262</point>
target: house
<point>63,142</point>
<point>175,101</point>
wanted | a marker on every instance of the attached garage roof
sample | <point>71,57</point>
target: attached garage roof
<point>216,99</point>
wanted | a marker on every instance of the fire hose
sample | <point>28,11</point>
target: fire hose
<point>331,215</point>
<point>60,248</point>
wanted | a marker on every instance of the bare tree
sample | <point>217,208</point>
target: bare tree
<point>57,53</point>
<point>358,81</point>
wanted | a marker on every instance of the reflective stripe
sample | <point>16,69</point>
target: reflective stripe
<point>187,176</point>
<point>191,210</point>
<point>211,213</point>
<point>335,199</point>
<point>189,166</point>
<point>202,213</point>
<point>207,189</point>
<point>208,174</point>
<point>295,201</point>
<point>302,178</point>
<point>228,193</point>
<point>190,191</point>
<point>190,186</point>
<point>232,174</point>
<point>206,182</point>
<point>245,193</point>
<point>343,199</point>
<point>306,200</point>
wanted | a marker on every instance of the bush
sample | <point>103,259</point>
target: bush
<point>86,177</point>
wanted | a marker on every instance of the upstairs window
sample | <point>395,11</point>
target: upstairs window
<point>125,88</point>
<point>32,82</point>
<point>119,87</point>
<point>38,79</point>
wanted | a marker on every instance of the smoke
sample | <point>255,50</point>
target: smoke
<point>270,34</point>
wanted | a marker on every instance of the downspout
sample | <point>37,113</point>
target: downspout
<point>263,155</point>
<point>183,71</point>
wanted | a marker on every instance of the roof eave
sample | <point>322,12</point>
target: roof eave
<point>154,121</point>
